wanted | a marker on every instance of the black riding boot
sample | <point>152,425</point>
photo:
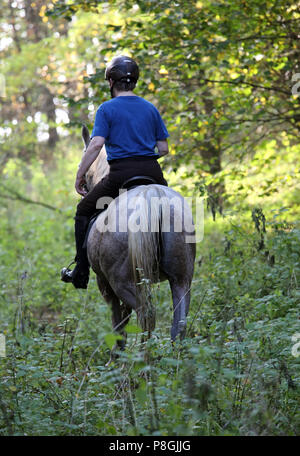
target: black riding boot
<point>80,274</point>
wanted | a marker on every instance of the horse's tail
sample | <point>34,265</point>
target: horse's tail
<point>144,250</point>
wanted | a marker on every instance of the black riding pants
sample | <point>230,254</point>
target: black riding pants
<point>120,171</point>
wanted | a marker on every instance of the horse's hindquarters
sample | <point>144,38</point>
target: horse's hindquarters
<point>146,241</point>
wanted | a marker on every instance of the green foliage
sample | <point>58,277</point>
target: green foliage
<point>223,82</point>
<point>221,75</point>
<point>234,374</point>
<point>226,66</point>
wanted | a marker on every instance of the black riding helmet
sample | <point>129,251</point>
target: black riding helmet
<point>123,69</point>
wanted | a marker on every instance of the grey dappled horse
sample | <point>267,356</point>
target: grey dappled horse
<point>127,261</point>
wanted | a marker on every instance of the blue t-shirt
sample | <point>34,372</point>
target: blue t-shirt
<point>131,127</point>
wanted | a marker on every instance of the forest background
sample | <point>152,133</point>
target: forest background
<point>225,76</point>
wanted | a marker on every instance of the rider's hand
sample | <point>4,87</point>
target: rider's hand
<point>79,186</point>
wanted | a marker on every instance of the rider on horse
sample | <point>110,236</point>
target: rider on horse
<point>131,128</point>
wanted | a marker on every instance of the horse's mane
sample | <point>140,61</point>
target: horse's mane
<point>97,170</point>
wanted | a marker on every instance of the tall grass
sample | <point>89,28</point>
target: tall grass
<point>234,374</point>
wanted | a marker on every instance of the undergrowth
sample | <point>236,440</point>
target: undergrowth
<point>234,374</point>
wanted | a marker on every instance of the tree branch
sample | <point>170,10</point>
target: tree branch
<point>14,195</point>
<point>275,89</point>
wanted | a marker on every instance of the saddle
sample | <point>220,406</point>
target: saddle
<point>129,184</point>
<point>138,180</point>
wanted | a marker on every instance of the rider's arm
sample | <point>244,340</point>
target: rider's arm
<point>162,147</point>
<point>88,158</point>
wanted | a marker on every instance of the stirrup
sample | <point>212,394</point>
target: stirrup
<point>79,280</point>
<point>66,273</point>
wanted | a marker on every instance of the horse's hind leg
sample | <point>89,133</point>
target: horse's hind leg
<point>120,313</point>
<point>181,301</point>
<point>127,293</point>
<point>120,317</point>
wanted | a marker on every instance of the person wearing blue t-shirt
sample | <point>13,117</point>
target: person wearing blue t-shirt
<point>131,129</point>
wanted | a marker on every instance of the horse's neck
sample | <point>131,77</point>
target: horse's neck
<point>99,168</point>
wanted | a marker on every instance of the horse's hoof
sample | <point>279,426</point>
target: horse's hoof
<point>112,359</point>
